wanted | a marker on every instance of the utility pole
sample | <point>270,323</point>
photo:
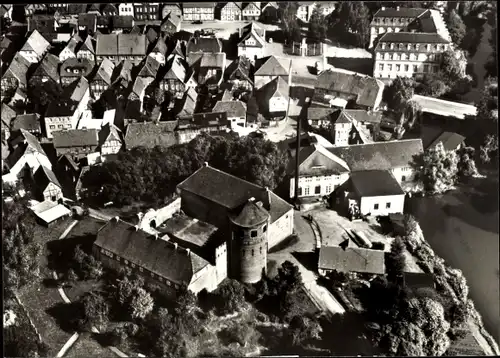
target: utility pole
<point>297,162</point>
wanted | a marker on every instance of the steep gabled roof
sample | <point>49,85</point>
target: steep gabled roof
<point>402,12</point>
<point>272,66</point>
<point>413,38</point>
<point>213,60</point>
<point>88,45</point>
<point>252,33</point>
<point>232,108</point>
<point>379,155</point>
<point>177,69</point>
<point>37,43</point>
<point>450,140</point>
<point>77,90</point>
<point>105,71</point>
<point>239,69</point>
<point>161,257</point>
<point>367,89</point>
<point>72,44</point>
<point>109,131</point>
<point>7,114</point>
<point>149,135</point>
<point>351,259</point>
<point>316,160</point>
<point>44,176</point>
<point>277,87</point>
<point>369,183</point>
<point>160,46</point>
<point>18,69</point>
<point>28,122</point>
<point>172,19</point>
<point>75,138</point>
<point>149,67</point>
<point>49,67</point>
<point>204,45</point>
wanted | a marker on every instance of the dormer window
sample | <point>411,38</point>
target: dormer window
<point>392,46</point>
<point>417,46</point>
<point>408,47</point>
<point>383,45</point>
<point>428,47</point>
<point>400,46</point>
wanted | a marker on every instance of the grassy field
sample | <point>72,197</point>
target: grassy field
<point>87,346</point>
<point>41,296</point>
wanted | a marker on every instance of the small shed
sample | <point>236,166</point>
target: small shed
<point>48,212</point>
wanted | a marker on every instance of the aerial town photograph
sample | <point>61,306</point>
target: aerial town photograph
<point>250,179</point>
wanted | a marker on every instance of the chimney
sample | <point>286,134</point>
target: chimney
<point>136,227</point>
<point>188,252</point>
<point>156,236</point>
<point>259,203</point>
<point>175,245</point>
<point>251,200</point>
<point>116,218</point>
<point>397,8</point>
<point>412,31</point>
<point>140,215</point>
<point>205,164</point>
<point>383,8</point>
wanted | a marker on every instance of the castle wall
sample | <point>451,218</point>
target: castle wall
<point>281,229</point>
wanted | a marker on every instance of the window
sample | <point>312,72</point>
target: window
<point>426,68</point>
<point>387,205</point>
<point>126,262</point>
<point>389,67</point>
<point>133,265</point>
<point>306,191</point>
<point>52,127</point>
<point>317,189</point>
<point>406,68</point>
<point>391,56</point>
<point>253,252</point>
<point>253,233</point>
<point>375,207</point>
<point>415,68</point>
<point>261,249</point>
<point>59,126</point>
<point>403,56</point>
<point>398,68</point>
<point>168,283</point>
<point>264,229</point>
<point>328,189</point>
<point>403,178</point>
<point>141,269</point>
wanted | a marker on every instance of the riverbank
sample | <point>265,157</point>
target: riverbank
<point>461,226</point>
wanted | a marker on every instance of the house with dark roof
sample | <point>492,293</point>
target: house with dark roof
<point>236,111</point>
<point>336,87</point>
<point>148,68</point>
<point>211,122</point>
<point>47,187</point>
<point>27,153</point>
<point>135,103</point>
<point>271,67</point>
<point>350,259</point>
<point>159,51</point>
<point>110,139</point>
<point>7,115</point>
<point>150,135</point>
<point>153,256</point>
<point>64,114</point>
<point>102,79</point>
<point>119,24</point>
<point>29,122</point>
<point>342,124</point>
<point>87,49</point>
<point>73,69</point>
<point>15,76</point>
<point>109,10</point>
<point>252,42</point>
<point>320,172</point>
<point>170,24</point>
<point>197,46</point>
<point>211,196</point>
<point>43,23</point>
<point>87,22</point>
<point>118,47</point>
<point>47,70</point>
<point>395,156</point>
<point>76,142</point>
<point>176,77</point>
<point>185,107</point>
<point>211,69</point>
<point>238,73</point>
<point>273,99</point>
<point>451,141</point>
<point>71,47</point>
<point>374,192</point>
<point>35,47</point>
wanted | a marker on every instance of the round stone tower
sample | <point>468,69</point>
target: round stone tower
<point>248,244</point>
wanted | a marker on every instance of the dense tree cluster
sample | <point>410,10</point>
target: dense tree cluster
<point>95,311</point>
<point>436,168</point>
<point>152,174</point>
<point>395,261</point>
<point>20,251</point>
<point>318,25</point>
<point>456,26</point>
<point>84,265</point>
<point>133,298</point>
<point>399,98</point>
<point>287,12</point>
<point>350,23</point>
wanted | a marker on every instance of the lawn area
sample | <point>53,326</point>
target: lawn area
<point>42,295</point>
<point>87,346</point>
<point>85,227</point>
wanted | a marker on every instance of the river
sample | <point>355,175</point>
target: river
<point>462,227</point>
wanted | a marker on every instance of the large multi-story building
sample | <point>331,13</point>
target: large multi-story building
<point>198,11</point>
<point>147,11</point>
<point>230,11</point>
<point>407,54</point>
<point>118,47</point>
